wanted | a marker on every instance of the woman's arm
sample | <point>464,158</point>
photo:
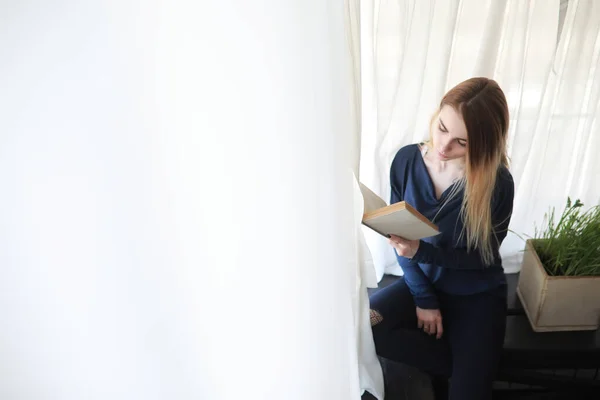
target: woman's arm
<point>419,285</point>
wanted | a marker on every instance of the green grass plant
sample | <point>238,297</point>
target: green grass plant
<point>571,245</point>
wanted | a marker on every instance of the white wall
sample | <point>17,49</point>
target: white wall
<point>173,217</point>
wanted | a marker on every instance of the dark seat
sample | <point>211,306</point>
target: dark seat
<point>534,358</point>
<point>553,360</point>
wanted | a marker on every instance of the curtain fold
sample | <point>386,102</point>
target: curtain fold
<point>370,374</point>
<point>353,26</point>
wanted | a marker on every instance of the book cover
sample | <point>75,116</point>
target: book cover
<point>400,219</point>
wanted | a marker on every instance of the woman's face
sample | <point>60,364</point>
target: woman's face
<point>449,135</point>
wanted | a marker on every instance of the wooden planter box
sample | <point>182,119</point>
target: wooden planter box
<point>557,303</point>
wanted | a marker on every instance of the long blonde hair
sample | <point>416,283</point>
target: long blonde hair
<point>484,110</point>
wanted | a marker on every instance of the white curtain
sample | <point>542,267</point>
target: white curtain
<point>369,370</point>
<point>177,205</point>
<point>414,51</point>
<point>558,154</point>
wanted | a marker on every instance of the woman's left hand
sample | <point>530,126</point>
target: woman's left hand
<point>404,247</point>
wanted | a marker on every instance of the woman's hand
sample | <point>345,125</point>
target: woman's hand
<point>430,321</point>
<point>404,247</point>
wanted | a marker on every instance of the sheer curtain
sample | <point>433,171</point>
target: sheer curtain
<point>414,51</point>
<point>557,155</point>
<point>370,374</point>
<point>177,216</point>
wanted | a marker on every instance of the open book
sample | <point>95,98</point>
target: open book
<point>398,219</point>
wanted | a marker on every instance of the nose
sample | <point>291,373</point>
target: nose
<point>446,146</point>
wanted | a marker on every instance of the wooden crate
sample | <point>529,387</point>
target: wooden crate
<point>557,303</point>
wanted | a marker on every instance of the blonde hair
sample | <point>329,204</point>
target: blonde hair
<point>484,110</point>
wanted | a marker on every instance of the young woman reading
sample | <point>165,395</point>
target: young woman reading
<point>447,314</point>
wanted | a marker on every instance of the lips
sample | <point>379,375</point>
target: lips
<point>442,155</point>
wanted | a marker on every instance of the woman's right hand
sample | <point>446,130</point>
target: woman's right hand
<point>430,321</point>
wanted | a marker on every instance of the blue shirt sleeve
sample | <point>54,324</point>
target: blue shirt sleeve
<point>418,283</point>
<point>457,258</point>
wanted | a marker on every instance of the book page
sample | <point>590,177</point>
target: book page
<point>372,201</point>
<point>401,223</point>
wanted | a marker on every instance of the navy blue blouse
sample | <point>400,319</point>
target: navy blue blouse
<point>442,263</point>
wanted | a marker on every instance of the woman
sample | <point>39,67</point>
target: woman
<point>446,316</point>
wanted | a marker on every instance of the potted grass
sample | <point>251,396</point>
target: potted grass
<point>559,284</point>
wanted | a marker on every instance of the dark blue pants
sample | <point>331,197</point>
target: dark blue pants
<point>468,352</point>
